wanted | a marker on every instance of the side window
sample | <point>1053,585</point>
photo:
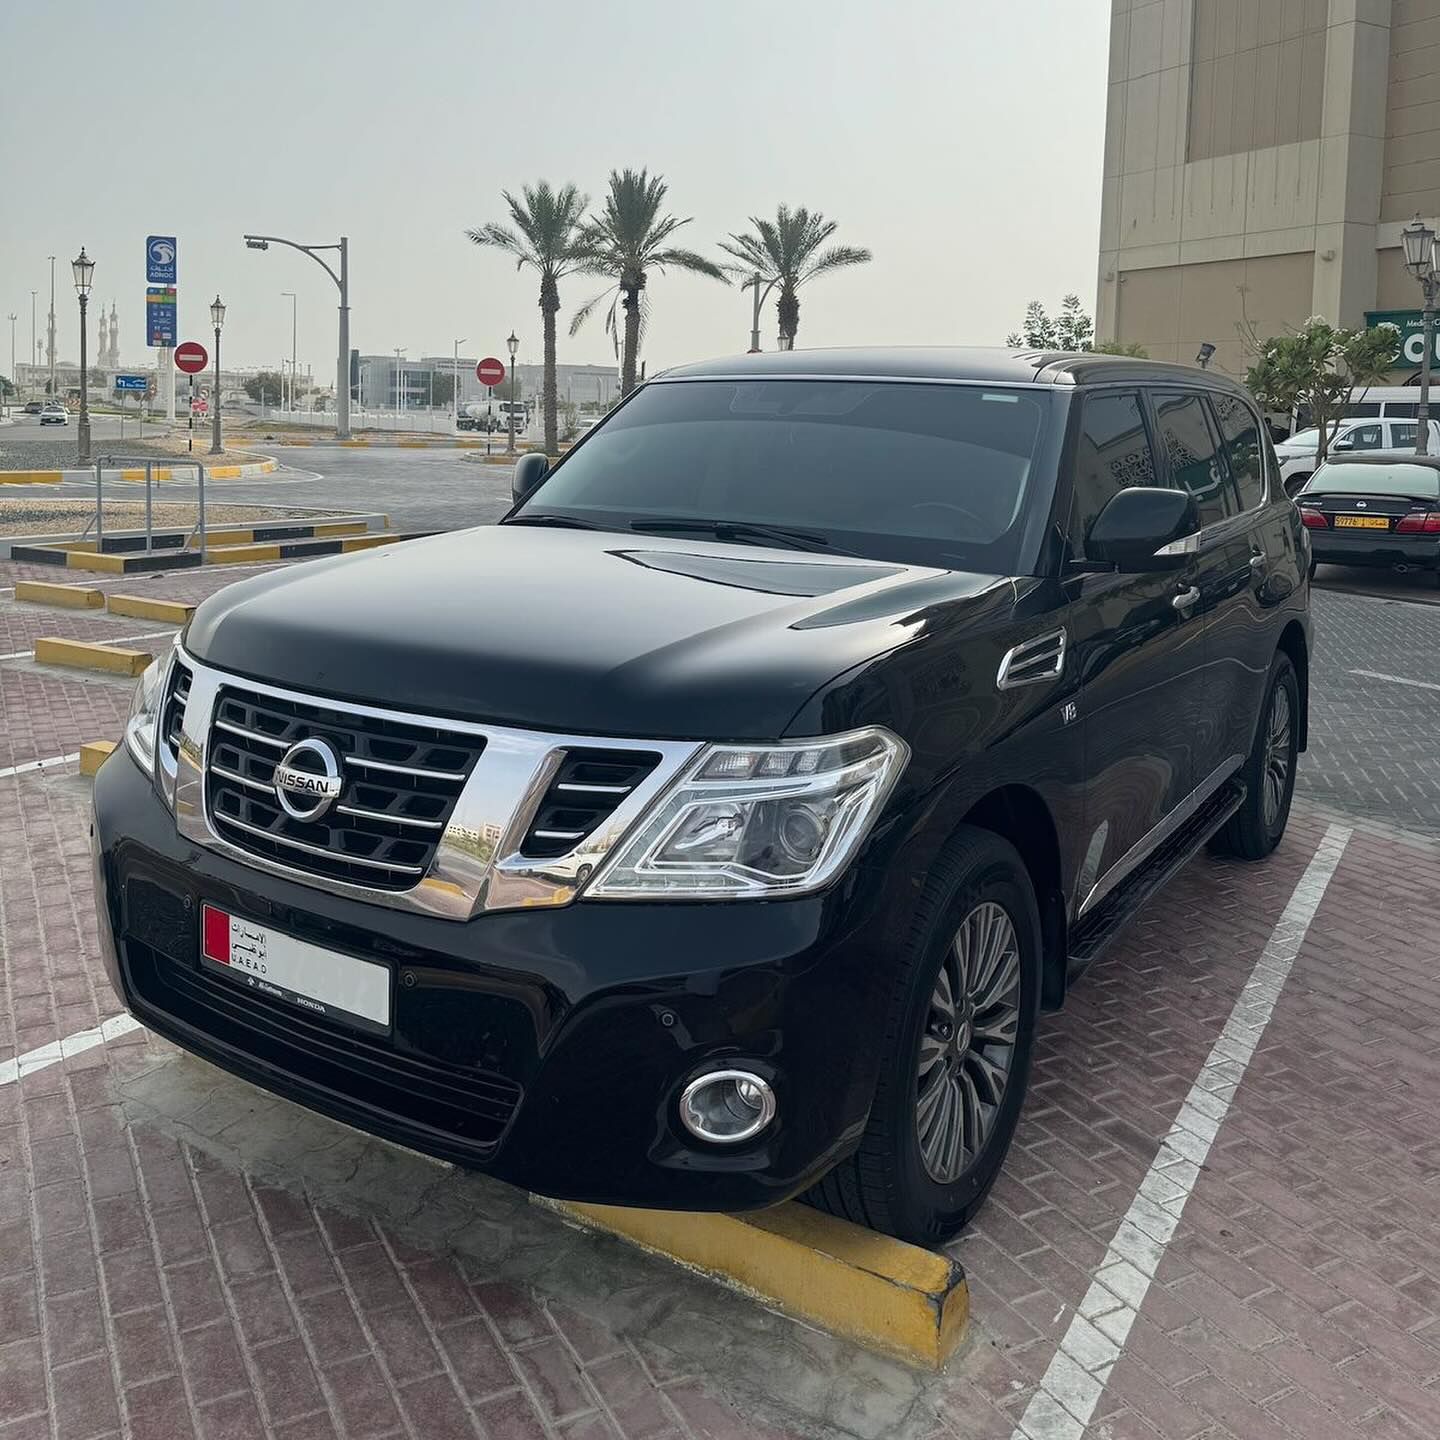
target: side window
<point>1244,447</point>
<point>1195,464</point>
<point>1365,437</point>
<point>1402,434</point>
<point>1113,454</point>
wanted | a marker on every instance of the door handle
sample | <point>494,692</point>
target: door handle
<point>1186,599</point>
<point>1257,560</point>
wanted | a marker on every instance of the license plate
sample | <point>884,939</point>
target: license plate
<point>1361,522</point>
<point>269,962</point>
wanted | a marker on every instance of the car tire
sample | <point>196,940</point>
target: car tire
<point>1255,829</point>
<point>977,901</point>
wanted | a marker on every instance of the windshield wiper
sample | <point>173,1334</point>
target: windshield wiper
<point>742,530</point>
<point>563,522</point>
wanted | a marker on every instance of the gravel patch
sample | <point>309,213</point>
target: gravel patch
<point>61,517</point>
<point>59,453</point>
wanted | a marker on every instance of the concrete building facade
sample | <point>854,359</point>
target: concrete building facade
<point>1261,160</point>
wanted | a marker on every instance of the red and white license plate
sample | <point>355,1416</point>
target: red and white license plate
<point>324,982</point>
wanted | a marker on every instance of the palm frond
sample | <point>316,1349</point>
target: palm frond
<point>836,258</point>
<point>690,260</point>
<point>586,310</point>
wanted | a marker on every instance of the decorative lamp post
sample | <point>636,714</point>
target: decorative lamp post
<point>1419,241</point>
<point>83,269</point>
<point>512,344</point>
<point>217,319</point>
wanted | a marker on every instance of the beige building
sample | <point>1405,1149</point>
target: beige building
<point>1261,159</point>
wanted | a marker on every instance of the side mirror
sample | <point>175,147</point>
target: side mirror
<point>1138,523</point>
<point>530,470</point>
<point>1343,444</point>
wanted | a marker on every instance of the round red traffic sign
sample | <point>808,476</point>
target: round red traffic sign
<point>191,357</point>
<point>490,372</point>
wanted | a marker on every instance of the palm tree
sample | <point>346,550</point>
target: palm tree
<point>547,238</point>
<point>627,239</point>
<point>786,252</point>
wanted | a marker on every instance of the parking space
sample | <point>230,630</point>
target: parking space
<point>1217,1218</point>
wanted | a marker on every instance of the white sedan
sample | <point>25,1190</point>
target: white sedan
<point>54,414</point>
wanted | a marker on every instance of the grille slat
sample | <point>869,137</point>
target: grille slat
<point>173,717</point>
<point>384,831</point>
<point>587,789</point>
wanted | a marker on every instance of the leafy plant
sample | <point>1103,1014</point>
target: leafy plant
<point>1072,329</point>
<point>548,237</point>
<point>264,387</point>
<point>1316,369</point>
<point>786,251</point>
<point>629,238</point>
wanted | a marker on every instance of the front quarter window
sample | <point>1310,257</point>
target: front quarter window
<point>958,476</point>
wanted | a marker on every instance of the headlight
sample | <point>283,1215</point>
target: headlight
<point>145,714</point>
<point>753,821</point>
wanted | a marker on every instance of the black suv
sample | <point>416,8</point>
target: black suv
<point>714,829</point>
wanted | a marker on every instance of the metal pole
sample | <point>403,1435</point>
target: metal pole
<point>216,448</point>
<point>50,332</point>
<point>99,510</point>
<point>342,392</point>
<point>510,444</point>
<point>190,423</point>
<point>149,511</point>
<point>34,342</point>
<point>14,383</point>
<point>1422,415</point>
<point>200,473</point>
<point>755,316</point>
<point>84,437</point>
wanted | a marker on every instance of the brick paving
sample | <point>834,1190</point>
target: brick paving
<point>183,1255</point>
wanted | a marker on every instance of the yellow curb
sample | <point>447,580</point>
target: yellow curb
<point>881,1293</point>
<point>339,527</point>
<point>110,564</point>
<point>94,755</point>
<point>241,554</point>
<point>159,472</point>
<point>171,612</point>
<point>30,477</point>
<point>72,597</point>
<point>82,655</point>
<point>366,542</point>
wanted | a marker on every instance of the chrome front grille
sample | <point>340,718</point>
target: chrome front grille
<point>173,716</point>
<point>586,790</point>
<point>400,785</point>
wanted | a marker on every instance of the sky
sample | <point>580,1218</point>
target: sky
<point>959,140</point>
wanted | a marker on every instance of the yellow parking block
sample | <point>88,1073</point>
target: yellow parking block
<point>72,597</point>
<point>881,1293</point>
<point>30,477</point>
<point>241,554</point>
<point>83,560</point>
<point>94,755</point>
<point>142,607</point>
<point>327,529</point>
<point>83,655</point>
<point>367,542</point>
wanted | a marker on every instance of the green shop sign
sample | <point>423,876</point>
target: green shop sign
<point>1410,349</point>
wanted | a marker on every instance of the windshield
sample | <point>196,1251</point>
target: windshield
<point>944,475</point>
<point>1305,439</point>
<point>1421,481</point>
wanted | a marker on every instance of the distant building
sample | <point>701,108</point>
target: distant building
<point>1261,160</point>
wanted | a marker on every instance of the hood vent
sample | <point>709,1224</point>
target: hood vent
<point>1032,661</point>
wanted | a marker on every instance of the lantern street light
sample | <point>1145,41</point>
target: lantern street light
<point>1419,241</point>
<point>82,267</point>
<point>513,344</point>
<point>217,319</point>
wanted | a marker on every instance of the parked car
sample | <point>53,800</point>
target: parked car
<point>1375,510</point>
<point>714,829</point>
<point>1299,454</point>
<point>34,407</point>
<point>54,413</point>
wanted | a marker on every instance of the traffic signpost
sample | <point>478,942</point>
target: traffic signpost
<point>136,385</point>
<point>160,315</point>
<point>132,382</point>
<point>490,372</point>
<point>160,259</point>
<point>191,358</point>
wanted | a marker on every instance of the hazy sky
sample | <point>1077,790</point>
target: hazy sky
<point>959,139</point>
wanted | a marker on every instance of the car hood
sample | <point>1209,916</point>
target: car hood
<point>586,632</point>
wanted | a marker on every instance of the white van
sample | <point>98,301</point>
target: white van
<point>1297,455</point>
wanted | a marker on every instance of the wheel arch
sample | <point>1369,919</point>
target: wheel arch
<point>1292,643</point>
<point>1020,815</point>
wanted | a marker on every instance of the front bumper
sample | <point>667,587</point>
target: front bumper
<point>547,1047</point>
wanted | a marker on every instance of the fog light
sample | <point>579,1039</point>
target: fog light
<point>727,1106</point>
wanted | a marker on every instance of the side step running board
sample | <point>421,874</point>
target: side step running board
<point>1100,927</point>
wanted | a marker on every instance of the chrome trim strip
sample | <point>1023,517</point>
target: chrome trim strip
<point>478,865</point>
<point>1033,652</point>
<point>557,834</point>
<point>1156,836</point>
<point>337,855</point>
<point>259,785</point>
<point>403,769</point>
<point>250,734</point>
<point>362,814</point>
<point>594,789</point>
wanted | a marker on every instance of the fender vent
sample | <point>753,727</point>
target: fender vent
<point>1032,661</point>
<point>586,791</point>
<point>173,715</point>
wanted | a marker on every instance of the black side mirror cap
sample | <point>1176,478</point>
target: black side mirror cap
<point>530,470</point>
<point>1138,526</point>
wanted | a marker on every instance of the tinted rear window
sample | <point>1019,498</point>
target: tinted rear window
<point>1421,481</point>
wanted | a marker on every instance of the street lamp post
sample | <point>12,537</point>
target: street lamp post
<point>399,382</point>
<point>513,344</point>
<point>14,383</point>
<point>50,332</point>
<point>753,283</point>
<point>455,391</point>
<point>34,341</point>
<point>293,332</point>
<point>1419,242</point>
<point>82,267</point>
<point>217,319</point>
<point>342,283</point>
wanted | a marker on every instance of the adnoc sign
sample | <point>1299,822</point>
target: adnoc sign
<point>1410,350</point>
<point>160,259</point>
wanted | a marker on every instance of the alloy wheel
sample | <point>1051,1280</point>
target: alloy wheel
<point>967,1049</point>
<point>1277,755</point>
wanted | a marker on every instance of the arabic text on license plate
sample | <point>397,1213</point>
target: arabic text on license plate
<point>1362,522</point>
<point>323,982</point>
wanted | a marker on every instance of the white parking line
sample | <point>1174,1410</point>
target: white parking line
<point>1393,679</point>
<point>45,764</point>
<point>1075,1379</point>
<point>58,1050</point>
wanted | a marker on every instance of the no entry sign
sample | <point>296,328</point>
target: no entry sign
<point>191,357</point>
<point>490,372</point>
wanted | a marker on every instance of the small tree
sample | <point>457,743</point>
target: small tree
<point>444,383</point>
<point>6,388</point>
<point>1071,329</point>
<point>1117,347</point>
<point>1317,368</point>
<point>265,387</point>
